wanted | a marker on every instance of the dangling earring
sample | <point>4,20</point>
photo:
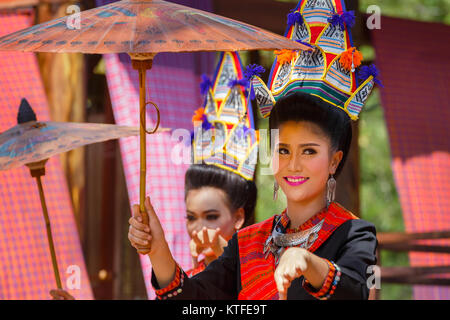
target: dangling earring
<point>331,190</point>
<point>275,190</point>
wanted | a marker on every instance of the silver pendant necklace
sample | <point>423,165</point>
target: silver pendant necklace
<point>277,242</point>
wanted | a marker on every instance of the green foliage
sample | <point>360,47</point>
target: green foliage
<point>376,173</point>
<point>420,10</point>
<point>265,205</point>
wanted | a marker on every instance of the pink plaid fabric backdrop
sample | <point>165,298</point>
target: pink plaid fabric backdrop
<point>174,85</point>
<point>415,69</point>
<point>25,263</point>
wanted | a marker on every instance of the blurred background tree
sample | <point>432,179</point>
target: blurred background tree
<point>419,10</point>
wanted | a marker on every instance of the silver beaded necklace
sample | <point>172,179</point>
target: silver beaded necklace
<point>277,242</point>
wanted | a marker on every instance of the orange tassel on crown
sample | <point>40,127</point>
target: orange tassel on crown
<point>285,56</point>
<point>198,115</point>
<point>351,58</point>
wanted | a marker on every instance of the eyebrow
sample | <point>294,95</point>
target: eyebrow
<point>302,145</point>
<point>204,212</point>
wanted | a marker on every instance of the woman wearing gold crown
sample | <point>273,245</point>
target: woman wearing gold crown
<point>315,249</point>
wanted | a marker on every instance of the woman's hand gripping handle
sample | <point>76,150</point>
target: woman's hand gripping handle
<point>147,236</point>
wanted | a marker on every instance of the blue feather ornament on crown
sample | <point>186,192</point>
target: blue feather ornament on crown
<point>224,131</point>
<point>328,70</point>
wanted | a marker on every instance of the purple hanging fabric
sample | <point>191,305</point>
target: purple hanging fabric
<point>172,84</point>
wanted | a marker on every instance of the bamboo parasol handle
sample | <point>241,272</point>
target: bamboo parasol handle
<point>37,170</point>
<point>142,63</point>
<point>143,118</point>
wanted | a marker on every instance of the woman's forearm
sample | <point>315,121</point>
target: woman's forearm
<point>163,264</point>
<point>317,270</point>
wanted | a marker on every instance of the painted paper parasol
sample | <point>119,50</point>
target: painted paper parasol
<point>144,28</point>
<point>32,142</point>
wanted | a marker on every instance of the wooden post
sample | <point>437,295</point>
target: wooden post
<point>63,76</point>
<point>267,14</point>
<point>106,274</point>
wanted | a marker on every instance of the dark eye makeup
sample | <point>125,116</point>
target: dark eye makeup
<point>212,217</point>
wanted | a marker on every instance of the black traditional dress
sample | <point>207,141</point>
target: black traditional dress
<point>246,268</point>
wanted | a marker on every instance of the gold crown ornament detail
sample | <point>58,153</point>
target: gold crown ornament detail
<point>328,71</point>
<point>224,132</point>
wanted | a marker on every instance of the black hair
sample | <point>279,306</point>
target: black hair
<point>334,122</point>
<point>241,193</point>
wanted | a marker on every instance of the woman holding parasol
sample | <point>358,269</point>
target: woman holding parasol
<point>219,198</point>
<point>315,249</point>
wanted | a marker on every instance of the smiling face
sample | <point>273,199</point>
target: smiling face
<point>208,207</point>
<point>303,160</point>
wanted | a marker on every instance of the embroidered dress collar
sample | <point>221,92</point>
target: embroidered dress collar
<point>282,237</point>
<point>284,222</point>
<point>310,235</point>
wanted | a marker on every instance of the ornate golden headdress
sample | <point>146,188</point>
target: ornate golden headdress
<point>224,133</point>
<point>327,71</point>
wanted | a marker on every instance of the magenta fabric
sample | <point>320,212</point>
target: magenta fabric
<point>413,61</point>
<point>26,270</point>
